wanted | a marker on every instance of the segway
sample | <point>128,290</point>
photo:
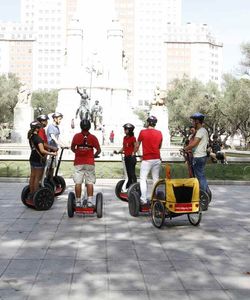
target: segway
<point>134,205</point>
<point>121,191</point>
<point>83,209</point>
<point>205,196</point>
<point>56,183</point>
<point>42,199</point>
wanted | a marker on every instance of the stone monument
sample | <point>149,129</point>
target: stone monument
<point>160,111</point>
<point>99,71</point>
<point>23,116</point>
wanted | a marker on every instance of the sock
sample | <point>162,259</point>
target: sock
<point>78,200</point>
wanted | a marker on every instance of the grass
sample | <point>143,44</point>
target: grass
<point>233,171</point>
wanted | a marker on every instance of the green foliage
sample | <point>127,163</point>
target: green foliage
<point>9,87</point>
<point>245,49</point>
<point>44,102</point>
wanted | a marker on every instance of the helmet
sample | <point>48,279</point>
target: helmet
<point>129,126</point>
<point>57,115</point>
<point>85,124</point>
<point>96,101</point>
<point>42,118</point>
<point>197,116</point>
<point>35,125</point>
<point>152,120</point>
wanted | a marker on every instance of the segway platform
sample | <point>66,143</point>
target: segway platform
<point>84,209</point>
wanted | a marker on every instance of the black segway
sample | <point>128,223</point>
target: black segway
<point>42,199</point>
<point>134,205</point>
<point>56,183</point>
<point>84,209</point>
<point>121,191</point>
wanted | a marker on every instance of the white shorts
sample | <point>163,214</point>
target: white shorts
<point>84,173</point>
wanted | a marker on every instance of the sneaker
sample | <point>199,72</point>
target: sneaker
<point>90,204</point>
<point>78,203</point>
<point>143,202</point>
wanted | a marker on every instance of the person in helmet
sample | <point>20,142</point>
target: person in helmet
<point>128,148</point>
<point>151,140</point>
<point>43,119</point>
<point>83,145</point>
<point>53,135</point>
<point>37,157</point>
<point>199,148</point>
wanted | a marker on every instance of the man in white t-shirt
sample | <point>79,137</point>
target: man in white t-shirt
<point>199,148</point>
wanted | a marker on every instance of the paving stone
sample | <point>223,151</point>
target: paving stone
<point>46,255</point>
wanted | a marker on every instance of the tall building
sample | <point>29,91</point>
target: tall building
<point>17,51</point>
<point>144,23</point>
<point>48,19</point>
<point>193,51</point>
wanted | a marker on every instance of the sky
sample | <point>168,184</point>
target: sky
<point>228,19</point>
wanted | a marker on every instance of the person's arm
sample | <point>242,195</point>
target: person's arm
<point>137,146</point>
<point>192,144</point>
<point>43,151</point>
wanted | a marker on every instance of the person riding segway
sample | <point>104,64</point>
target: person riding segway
<point>125,186</point>
<point>40,198</point>
<point>151,140</point>
<point>56,182</point>
<point>83,145</point>
<point>199,150</point>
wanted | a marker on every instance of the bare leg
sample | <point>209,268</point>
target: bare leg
<point>78,190</point>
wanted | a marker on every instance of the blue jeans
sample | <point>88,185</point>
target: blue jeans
<point>199,171</point>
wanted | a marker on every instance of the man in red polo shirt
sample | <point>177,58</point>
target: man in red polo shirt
<point>83,145</point>
<point>151,140</point>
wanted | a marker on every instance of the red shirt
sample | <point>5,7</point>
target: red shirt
<point>128,145</point>
<point>43,135</point>
<point>84,154</point>
<point>151,140</point>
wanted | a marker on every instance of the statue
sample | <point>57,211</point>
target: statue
<point>24,96</point>
<point>157,97</point>
<point>96,115</point>
<point>83,109</point>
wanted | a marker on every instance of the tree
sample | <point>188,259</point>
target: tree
<point>187,96</point>
<point>236,106</point>
<point>44,102</point>
<point>9,88</point>
<point>245,50</point>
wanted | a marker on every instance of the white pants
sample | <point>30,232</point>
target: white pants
<point>152,165</point>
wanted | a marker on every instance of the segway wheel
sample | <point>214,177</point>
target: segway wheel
<point>204,200</point>
<point>118,189</point>
<point>60,185</point>
<point>158,214</point>
<point>209,194</point>
<point>99,205</point>
<point>24,196</point>
<point>134,204</point>
<point>49,184</point>
<point>135,187</point>
<point>43,199</point>
<point>195,218</point>
<point>71,204</point>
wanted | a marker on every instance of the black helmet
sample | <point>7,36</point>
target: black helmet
<point>85,124</point>
<point>57,115</point>
<point>42,118</point>
<point>152,120</point>
<point>35,124</point>
<point>129,126</point>
<point>197,116</point>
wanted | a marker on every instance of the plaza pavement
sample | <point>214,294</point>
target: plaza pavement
<point>46,255</point>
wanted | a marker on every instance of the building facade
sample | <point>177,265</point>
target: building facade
<point>17,43</point>
<point>144,23</point>
<point>193,51</point>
